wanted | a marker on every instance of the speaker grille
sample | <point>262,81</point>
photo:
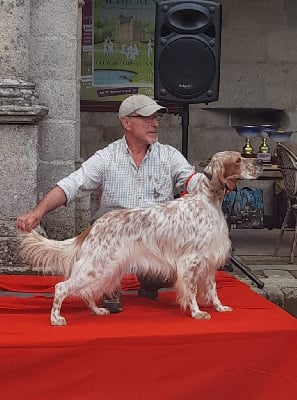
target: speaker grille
<point>186,67</point>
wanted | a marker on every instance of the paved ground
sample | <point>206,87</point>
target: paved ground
<point>254,248</point>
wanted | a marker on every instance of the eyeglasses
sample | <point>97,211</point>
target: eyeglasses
<point>148,119</point>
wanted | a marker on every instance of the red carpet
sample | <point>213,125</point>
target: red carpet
<point>150,351</point>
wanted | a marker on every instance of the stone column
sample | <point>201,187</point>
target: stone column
<point>20,114</point>
<point>55,68</point>
<point>14,37</point>
<point>39,54</point>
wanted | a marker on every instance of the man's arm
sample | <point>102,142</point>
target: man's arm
<point>52,200</point>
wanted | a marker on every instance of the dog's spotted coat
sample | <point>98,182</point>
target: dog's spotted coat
<point>185,240</point>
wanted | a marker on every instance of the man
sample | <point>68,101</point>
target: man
<point>135,171</point>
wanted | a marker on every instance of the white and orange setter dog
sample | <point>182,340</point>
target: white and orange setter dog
<point>186,239</point>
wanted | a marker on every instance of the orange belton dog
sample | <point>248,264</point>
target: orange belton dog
<point>185,240</point>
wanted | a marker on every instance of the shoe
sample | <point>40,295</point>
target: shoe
<point>150,293</point>
<point>112,304</point>
<point>149,288</point>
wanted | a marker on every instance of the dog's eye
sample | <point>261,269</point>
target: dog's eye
<point>238,160</point>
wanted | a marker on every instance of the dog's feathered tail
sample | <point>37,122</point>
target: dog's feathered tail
<point>50,256</point>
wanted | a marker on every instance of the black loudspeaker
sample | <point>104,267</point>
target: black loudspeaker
<point>187,51</point>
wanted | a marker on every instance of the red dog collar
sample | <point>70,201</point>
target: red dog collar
<point>186,184</point>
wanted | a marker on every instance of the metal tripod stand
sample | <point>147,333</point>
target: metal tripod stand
<point>233,259</point>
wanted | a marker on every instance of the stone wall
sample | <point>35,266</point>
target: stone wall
<point>258,77</point>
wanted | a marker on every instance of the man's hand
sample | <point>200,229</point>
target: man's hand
<point>28,221</point>
<point>52,200</point>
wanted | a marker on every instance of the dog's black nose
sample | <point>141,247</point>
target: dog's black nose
<point>259,162</point>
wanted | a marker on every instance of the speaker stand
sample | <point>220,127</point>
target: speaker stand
<point>233,259</point>
<point>247,272</point>
<point>185,129</point>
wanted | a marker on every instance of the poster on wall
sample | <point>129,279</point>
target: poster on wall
<point>117,56</point>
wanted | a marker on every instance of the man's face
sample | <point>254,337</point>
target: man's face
<point>142,129</point>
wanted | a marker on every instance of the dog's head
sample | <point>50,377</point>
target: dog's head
<point>227,165</point>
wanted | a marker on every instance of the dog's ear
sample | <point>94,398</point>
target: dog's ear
<point>216,170</point>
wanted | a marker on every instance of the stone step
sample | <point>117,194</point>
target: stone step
<point>264,259</point>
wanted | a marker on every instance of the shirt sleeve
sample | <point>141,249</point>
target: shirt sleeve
<point>87,178</point>
<point>181,169</point>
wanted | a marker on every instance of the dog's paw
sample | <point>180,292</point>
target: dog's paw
<point>100,311</point>
<point>222,308</point>
<point>201,315</point>
<point>58,321</point>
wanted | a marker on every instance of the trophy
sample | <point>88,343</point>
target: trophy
<point>248,131</point>
<point>264,153</point>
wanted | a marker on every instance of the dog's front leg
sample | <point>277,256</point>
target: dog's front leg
<point>186,286</point>
<point>211,288</point>
<point>193,305</point>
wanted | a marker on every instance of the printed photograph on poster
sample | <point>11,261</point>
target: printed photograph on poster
<point>121,58</point>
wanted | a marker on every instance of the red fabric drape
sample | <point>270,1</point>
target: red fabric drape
<point>151,350</point>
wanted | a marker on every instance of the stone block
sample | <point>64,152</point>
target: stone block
<point>10,261</point>
<point>77,141</point>
<point>82,215</point>
<point>83,151</point>
<point>7,225</point>
<point>18,169</point>
<point>237,47</point>
<point>290,12</point>
<point>57,140</point>
<point>279,83</point>
<point>251,15</point>
<point>60,96</point>
<point>49,173</point>
<point>292,121</point>
<point>104,119</point>
<point>273,292</point>
<point>14,34</point>
<point>281,46</point>
<point>85,120</point>
<point>286,283</point>
<point>208,118</point>
<point>90,148</point>
<point>171,120</point>
<point>53,59</point>
<point>110,134</point>
<point>204,142</point>
<point>290,305</point>
<point>242,84</point>
<point>60,224</point>
<point>171,135</point>
<point>55,19</point>
<point>277,274</point>
<point>256,260</point>
<point>91,133</point>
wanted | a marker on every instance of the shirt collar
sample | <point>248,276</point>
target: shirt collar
<point>126,147</point>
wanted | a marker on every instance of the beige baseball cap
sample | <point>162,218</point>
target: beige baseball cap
<point>139,104</point>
